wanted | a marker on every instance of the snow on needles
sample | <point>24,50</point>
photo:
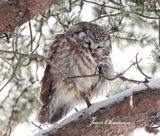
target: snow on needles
<point>153,84</point>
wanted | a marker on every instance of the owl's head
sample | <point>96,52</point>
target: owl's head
<point>92,37</point>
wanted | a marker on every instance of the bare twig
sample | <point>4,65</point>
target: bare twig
<point>6,61</point>
<point>104,5</point>
<point>140,68</point>
<point>133,64</point>
<point>14,46</point>
<point>126,38</point>
<point>132,80</point>
<point>8,131</point>
<point>36,56</point>
<point>37,71</point>
<point>1,105</point>
<point>146,16</point>
<point>38,44</point>
<point>106,15</point>
<point>14,106</point>
<point>120,76</point>
<point>11,77</point>
<point>31,35</point>
<point>159,31</point>
<point>116,3</point>
<point>61,23</point>
<point>158,14</point>
<point>37,126</point>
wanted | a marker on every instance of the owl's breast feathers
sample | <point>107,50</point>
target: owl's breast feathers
<point>75,61</point>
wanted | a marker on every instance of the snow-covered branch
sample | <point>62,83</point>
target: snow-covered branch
<point>135,107</point>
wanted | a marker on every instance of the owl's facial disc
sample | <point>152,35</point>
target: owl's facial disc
<point>101,48</point>
<point>82,40</point>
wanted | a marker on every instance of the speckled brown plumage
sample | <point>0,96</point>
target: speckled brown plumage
<point>81,50</point>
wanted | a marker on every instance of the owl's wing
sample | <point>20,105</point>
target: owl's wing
<point>107,67</point>
<point>53,107</point>
<point>57,95</point>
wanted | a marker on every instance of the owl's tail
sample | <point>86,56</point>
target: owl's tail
<point>53,112</point>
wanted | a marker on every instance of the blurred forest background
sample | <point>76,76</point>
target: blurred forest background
<point>134,26</point>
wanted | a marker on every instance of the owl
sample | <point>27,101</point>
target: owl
<point>79,61</point>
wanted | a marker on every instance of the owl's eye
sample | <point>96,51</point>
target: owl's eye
<point>99,47</point>
<point>87,41</point>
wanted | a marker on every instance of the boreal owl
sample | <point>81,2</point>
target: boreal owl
<point>78,61</point>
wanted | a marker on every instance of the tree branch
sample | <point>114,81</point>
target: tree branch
<point>114,116</point>
<point>15,13</point>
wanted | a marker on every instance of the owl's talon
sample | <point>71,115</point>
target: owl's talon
<point>86,99</point>
<point>87,102</point>
<point>76,109</point>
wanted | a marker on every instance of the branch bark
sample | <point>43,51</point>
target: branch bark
<point>117,119</point>
<point>15,13</point>
<point>115,116</point>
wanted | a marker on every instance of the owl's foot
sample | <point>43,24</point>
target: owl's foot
<point>87,102</point>
<point>86,99</point>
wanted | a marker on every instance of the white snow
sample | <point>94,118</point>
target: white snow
<point>153,84</point>
<point>131,101</point>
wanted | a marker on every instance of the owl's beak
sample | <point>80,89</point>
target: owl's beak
<point>93,54</point>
